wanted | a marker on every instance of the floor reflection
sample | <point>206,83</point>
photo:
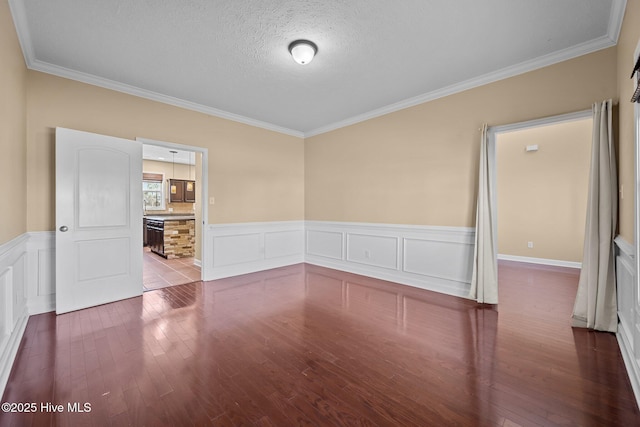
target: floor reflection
<point>309,345</point>
<point>425,333</point>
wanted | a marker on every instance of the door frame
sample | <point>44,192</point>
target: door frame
<point>636,190</point>
<point>204,191</point>
<point>492,133</point>
<point>628,348</point>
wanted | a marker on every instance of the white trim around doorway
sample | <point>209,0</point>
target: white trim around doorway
<point>204,193</point>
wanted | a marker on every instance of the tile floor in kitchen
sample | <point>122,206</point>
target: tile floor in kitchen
<point>160,272</point>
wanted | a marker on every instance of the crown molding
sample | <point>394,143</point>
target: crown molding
<point>24,36</point>
<point>154,96</point>
<point>521,68</point>
<point>610,39</point>
<point>16,7</point>
<point>615,20</point>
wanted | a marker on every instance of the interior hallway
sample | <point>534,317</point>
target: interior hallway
<point>314,346</point>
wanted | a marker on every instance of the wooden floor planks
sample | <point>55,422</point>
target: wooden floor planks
<point>305,345</point>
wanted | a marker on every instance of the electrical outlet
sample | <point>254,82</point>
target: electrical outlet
<point>212,200</point>
<point>367,254</point>
<point>530,245</point>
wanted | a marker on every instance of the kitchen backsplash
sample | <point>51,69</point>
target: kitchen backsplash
<point>186,208</point>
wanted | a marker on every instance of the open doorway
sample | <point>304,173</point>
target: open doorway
<point>541,178</point>
<point>173,193</point>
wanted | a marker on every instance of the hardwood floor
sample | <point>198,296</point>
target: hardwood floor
<point>160,272</point>
<point>305,345</point>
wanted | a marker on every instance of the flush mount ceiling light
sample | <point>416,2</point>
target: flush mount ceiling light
<point>303,51</point>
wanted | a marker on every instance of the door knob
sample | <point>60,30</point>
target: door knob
<point>64,228</point>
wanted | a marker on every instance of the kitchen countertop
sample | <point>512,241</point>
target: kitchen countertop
<point>169,217</point>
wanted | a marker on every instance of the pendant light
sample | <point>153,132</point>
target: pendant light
<point>174,189</point>
<point>190,182</point>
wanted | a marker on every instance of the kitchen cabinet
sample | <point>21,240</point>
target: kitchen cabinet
<point>190,191</point>
<point>155,236</point>
<point>181,190</point>
<point>171,236</point>
<point>145,238</point>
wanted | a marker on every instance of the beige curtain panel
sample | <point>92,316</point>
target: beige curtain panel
<point>596,306</point>
<point>484,281</point>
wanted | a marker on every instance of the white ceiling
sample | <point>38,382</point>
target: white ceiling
<point>164,154</point>
<point>229,58</point>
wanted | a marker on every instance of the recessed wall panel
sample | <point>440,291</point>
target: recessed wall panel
<point>237,249</point>
<point>444,260</point>
<point>6,306</point>
<point>46,271</point>
<point>98,259</point>
<point>283,243</point>
<point>379,251</point>
<point>326,244</point>
<point>103,188</point>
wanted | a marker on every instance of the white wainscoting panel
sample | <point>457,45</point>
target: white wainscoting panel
<point>434,258</point>
<point>237,249</point>
<point>377,251</point>
<point>234,249</point>
<point>326,244</point>
<point>41,282</point>
<point>279,244</point>
<point>439,259</point>
<point>628,311</point>
<point>13,302</point>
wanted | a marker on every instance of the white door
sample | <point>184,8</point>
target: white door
<point>98,219</point>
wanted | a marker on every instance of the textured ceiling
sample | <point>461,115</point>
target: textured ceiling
<point>229,57</point>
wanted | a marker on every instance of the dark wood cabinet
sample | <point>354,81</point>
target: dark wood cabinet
<point>190,191</point>
<point>155,236</point>
<point>145,238</point>
<point>181,190</point>
<point>176,190</point>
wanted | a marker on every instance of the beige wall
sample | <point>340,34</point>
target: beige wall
<point>542,195</point>
<point>13,74</point>
<point>254,174</point>
<point>415,166</point>
<point>419,165</point>
<point>627,43</point>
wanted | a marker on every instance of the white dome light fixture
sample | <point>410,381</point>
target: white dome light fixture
<point>303,51</point>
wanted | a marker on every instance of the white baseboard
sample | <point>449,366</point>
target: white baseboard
<point>241,248</point>
<point>542,261</point>
<point>434,258</point>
